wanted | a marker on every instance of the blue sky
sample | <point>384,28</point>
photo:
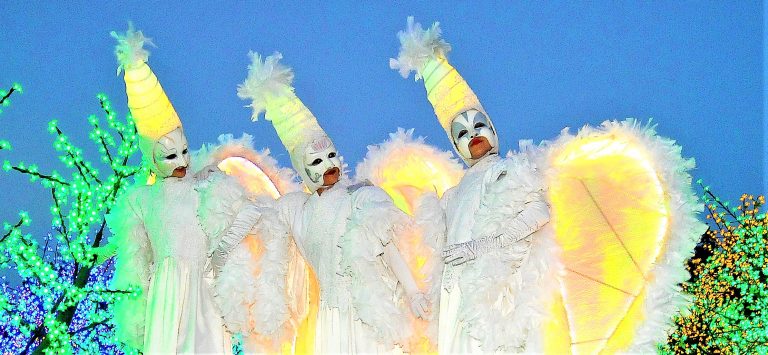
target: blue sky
<point>696,68</point>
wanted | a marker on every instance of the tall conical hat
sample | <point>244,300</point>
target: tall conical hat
<point>151,110</point>
<point>268,86</point>
<point>424,52</point>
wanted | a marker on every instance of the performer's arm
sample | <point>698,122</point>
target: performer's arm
<point>246,219</point>
<point>395,261</point>
<point>534,216</point>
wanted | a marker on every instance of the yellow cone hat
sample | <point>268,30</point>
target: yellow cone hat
<point>150,107</point>
<point>268,86</point>
<point>423,51</point>
<point>448,92</point>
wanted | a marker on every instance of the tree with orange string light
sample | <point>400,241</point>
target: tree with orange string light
<point>728,282</point>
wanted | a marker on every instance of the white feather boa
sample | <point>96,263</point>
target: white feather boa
<point>250,289</point>
<point>133,266</point>
<point>371,225</point>
<point>504,292</point>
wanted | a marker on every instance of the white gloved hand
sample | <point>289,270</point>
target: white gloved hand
<point>532,218</point>
<point>207,171</point>
<point>419,305</point>
<point>460,253</point>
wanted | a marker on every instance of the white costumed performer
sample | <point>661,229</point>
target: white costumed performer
<point>343,230</point>
<point>173,236</point>
<point>501,258</point>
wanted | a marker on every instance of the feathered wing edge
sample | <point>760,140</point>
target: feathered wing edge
<point>254,278</point>
<point>429,224</point>
<point>664,298</point>
<point>133,267</point>
<point>417,46</point>
<point>284,179</point>
<point>402,144</point>
<point>267,79</point>
<point>130,47</point>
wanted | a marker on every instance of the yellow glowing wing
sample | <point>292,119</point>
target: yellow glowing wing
<point>261,176</point>
<point>625,218</point>
<point>406,168</point>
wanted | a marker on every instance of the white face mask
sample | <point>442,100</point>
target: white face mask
<point>319,157</point>
<point>170,152</point>
<point>469,125</point>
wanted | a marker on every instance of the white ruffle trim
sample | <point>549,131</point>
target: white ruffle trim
<point>505,292</point>
<point>429,223</point>
<point>373,289</point>
<point>132,269</point>
<point>250,290</point>
<point>221,198</point>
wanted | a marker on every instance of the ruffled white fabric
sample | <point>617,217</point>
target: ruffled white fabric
<point>663,294</point>
<point>221,198</point>
<point>161,242</point>
<point>133,266</point>
<point>503,292</point>
<point>371,226</point>
<point>250,289</point>
<point>342,235</point>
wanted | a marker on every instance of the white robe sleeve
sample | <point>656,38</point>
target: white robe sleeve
<point>250,287</point>
<point>133,267</point>
<point>507,288</point>
<point>429,221</point>
<point>298,288</point>
<point>372,224</point>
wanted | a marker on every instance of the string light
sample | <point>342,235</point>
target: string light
<point>62,303</point>
<point>728,283</point>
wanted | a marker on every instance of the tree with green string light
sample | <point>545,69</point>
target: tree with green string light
<point>728,286</point>
<point>62,304</point>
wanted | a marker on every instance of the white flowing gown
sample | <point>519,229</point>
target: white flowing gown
<point>162,249</point>
<point>342,234</point>
<point>494,303</point>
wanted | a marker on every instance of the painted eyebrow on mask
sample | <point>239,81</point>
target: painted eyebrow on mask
<point>166,150</point>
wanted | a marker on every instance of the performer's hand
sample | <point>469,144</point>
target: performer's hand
<point>460,253</point>
<point>218,259</point>
<point>419,305</point>
<point>207,171</point>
